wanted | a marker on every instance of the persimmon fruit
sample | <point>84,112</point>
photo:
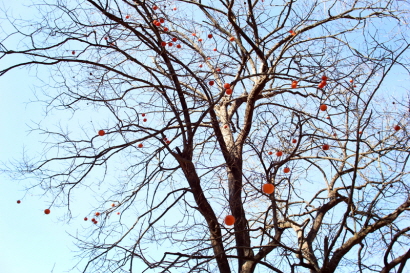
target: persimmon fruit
<point>323,107</point>
<point>229,220</point>
<point>268,188</point>
<point>321,84</point>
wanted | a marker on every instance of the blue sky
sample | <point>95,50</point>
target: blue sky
<point>30,241</point>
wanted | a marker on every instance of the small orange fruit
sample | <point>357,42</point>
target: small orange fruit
<point>323,107</point>
<point>286,170</point>
<point>229,220</point>
<point>268,188</point>
<point>321,84</point>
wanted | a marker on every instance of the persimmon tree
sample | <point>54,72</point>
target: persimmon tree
<point>186,110</point>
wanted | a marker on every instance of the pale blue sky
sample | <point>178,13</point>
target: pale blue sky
<point>30,241</point>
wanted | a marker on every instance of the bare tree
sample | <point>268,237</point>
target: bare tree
<point>205,106</point>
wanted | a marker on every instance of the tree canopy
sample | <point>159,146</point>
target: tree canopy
<point>225,136</point>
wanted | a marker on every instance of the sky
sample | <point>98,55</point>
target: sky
<point>30,241</point>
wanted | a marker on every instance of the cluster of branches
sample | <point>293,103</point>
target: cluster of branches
<point>186,154</point>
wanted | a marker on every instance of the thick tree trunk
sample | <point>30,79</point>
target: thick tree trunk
<point>242,237</point>
<point>206,210</point>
